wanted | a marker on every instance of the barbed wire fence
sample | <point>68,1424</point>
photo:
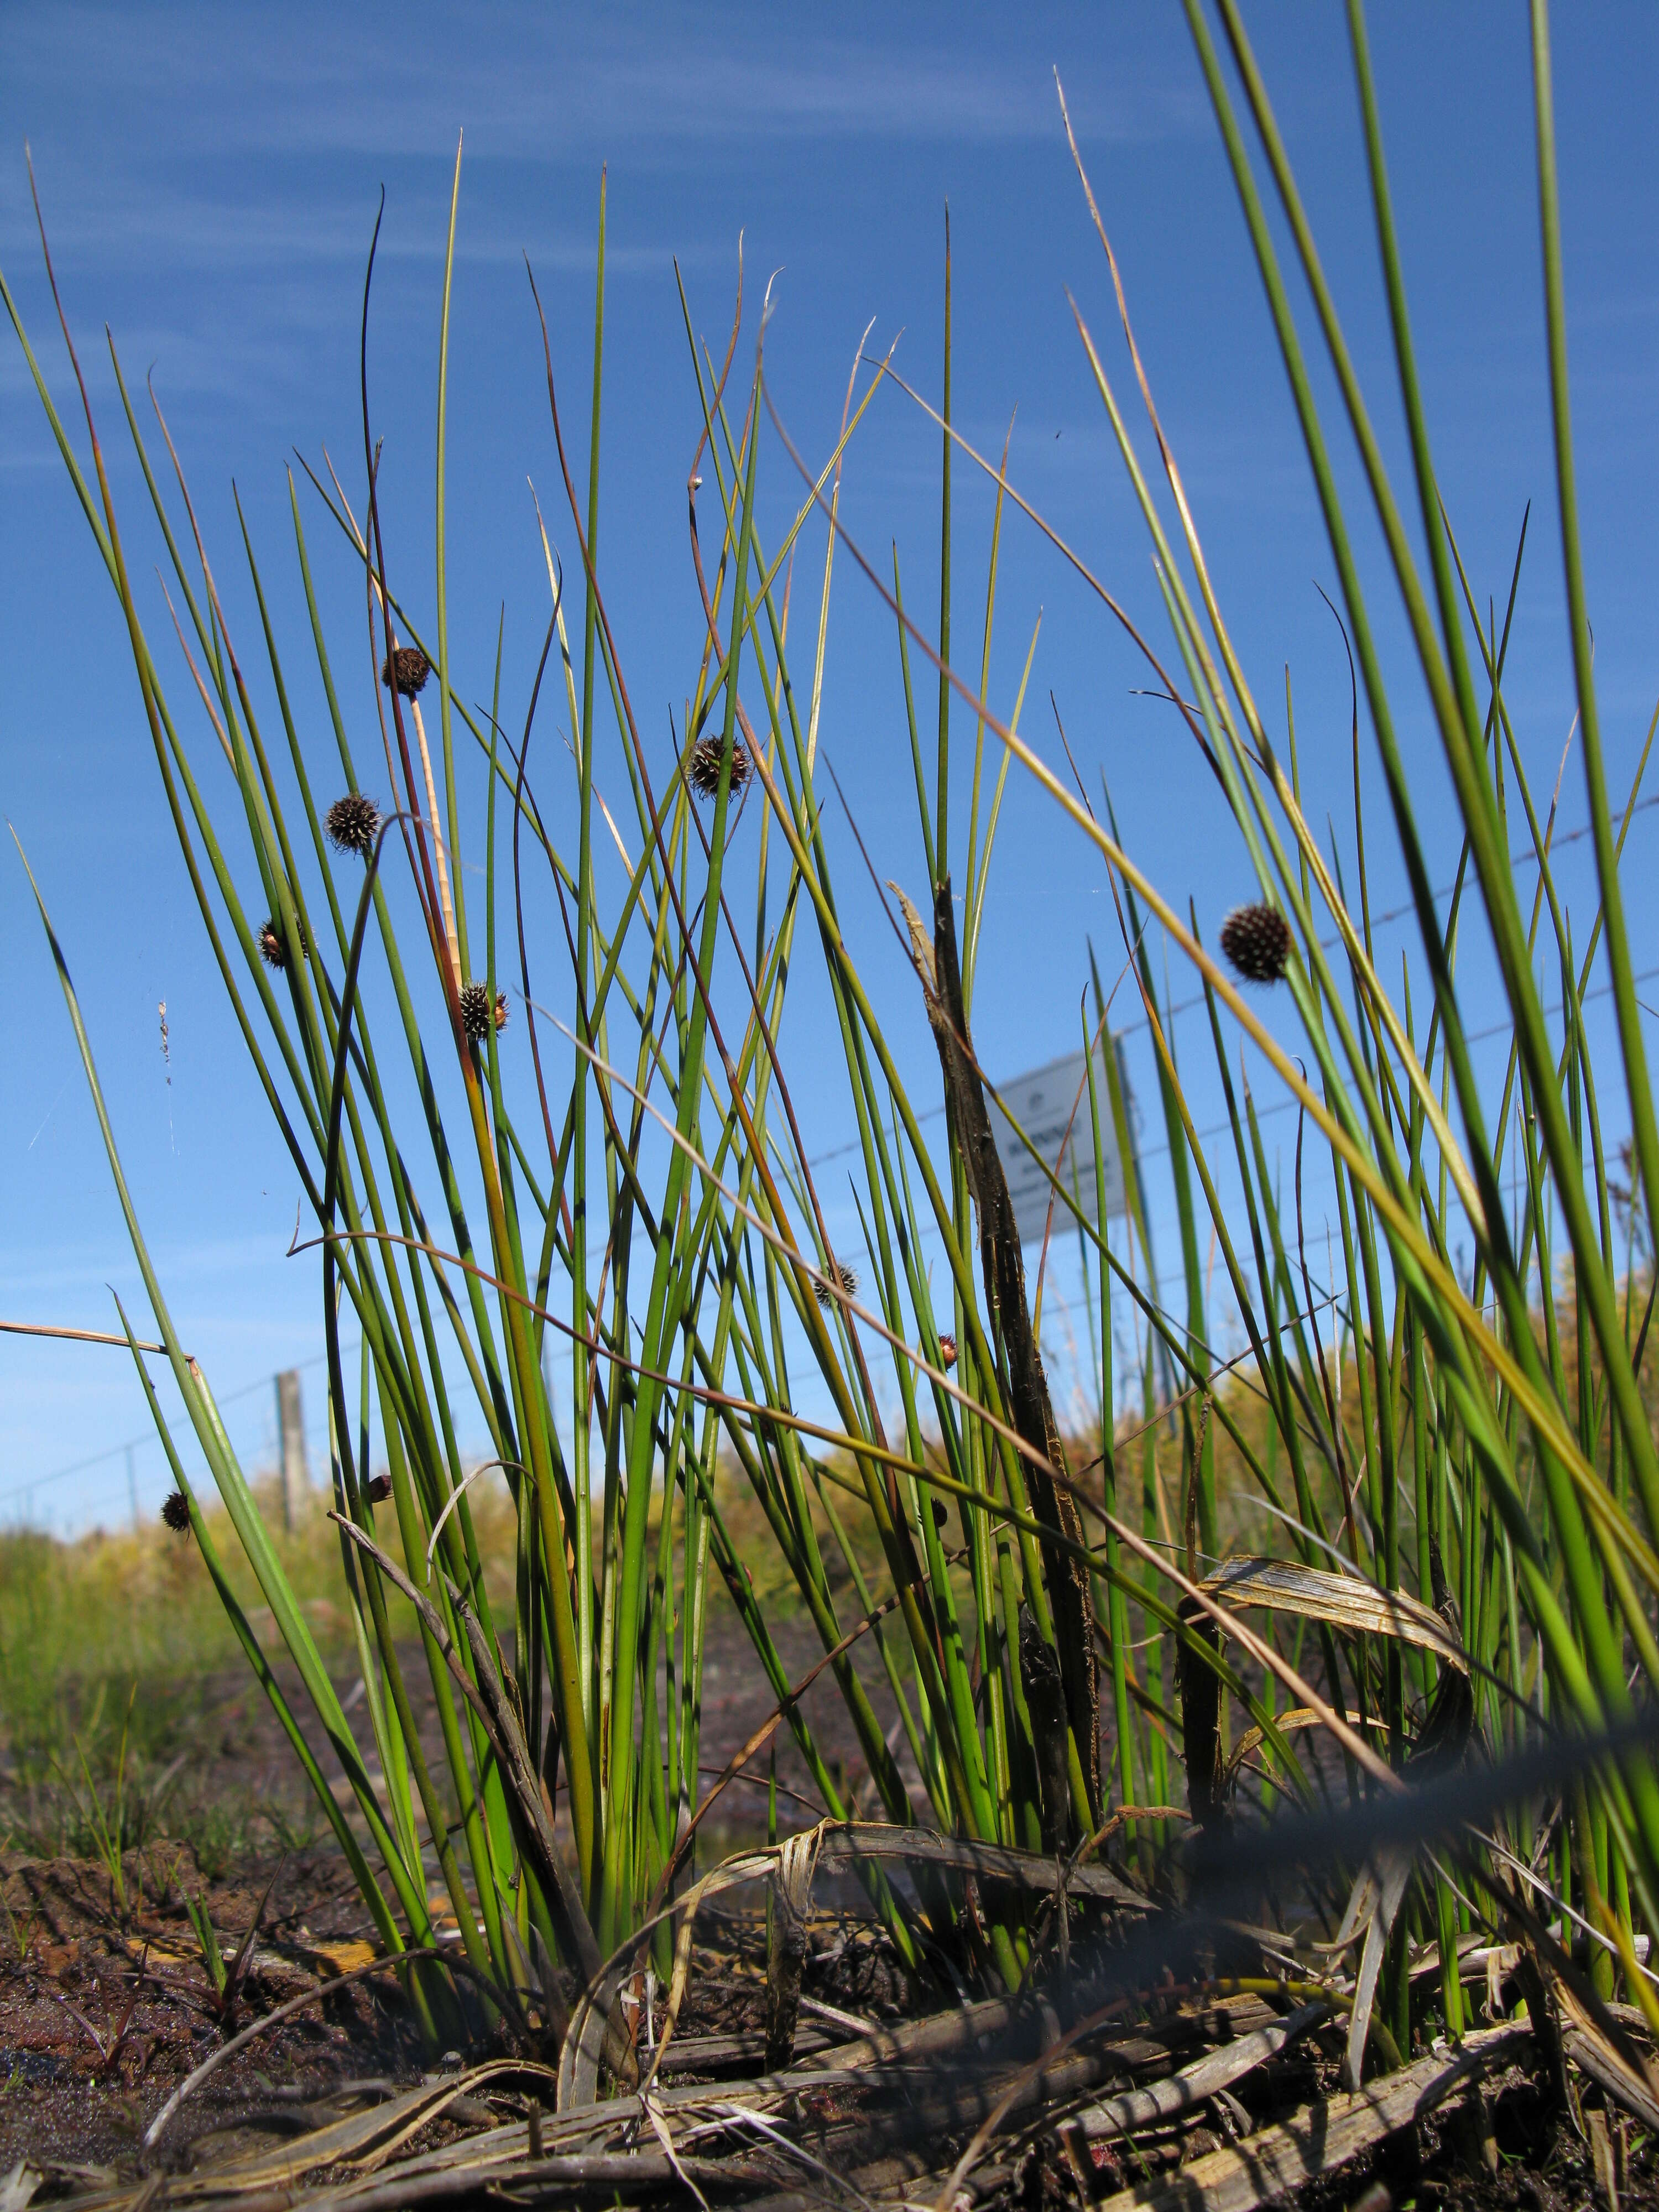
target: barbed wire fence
<point>277,1427</point>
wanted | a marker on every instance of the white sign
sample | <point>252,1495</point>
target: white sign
<point>1051,1105</point>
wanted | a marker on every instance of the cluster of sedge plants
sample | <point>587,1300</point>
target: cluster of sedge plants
<point>596,1671</point>
<point>1463,1545</point>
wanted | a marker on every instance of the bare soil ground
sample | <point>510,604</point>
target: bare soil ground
<point>102,2016</point>
<point>103,2012</point>
<point>107,2005</point>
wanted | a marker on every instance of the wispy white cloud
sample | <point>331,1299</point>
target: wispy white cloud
<point>210,223</point>
<point>544,85</point>
<point>222,161</point>
<point>185,139</point>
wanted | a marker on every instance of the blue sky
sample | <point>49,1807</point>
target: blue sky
<point>209,175</point>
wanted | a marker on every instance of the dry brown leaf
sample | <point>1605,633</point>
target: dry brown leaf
<point>1343,1601</point>
<point>344,1957</point>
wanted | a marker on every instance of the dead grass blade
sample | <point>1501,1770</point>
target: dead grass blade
<point>1320,2137</point>
<point>1582,2041</point>
<point>1195,2084</point>
<point>1343,1601</point>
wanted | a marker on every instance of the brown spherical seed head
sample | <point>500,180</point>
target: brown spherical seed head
<point>705,766</point>
<point>947,1353</point>
<point>175,1511</point>
<point>476,1013</point>
<point>272,950</point>
<point>378,1489</point>
<point>1257,941</point>
<point>407,669</point>
<point>503,1011</point>
<point>351,824</point>
<point>845,1276</point>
